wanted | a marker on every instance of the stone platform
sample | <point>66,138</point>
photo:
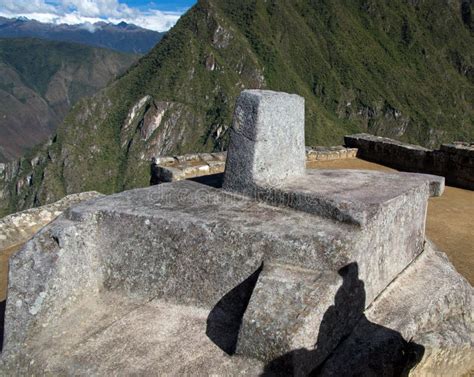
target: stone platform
<point>353,196</point>
<point>133,246</point>
<point>135,281</point>
<point>292,270</point>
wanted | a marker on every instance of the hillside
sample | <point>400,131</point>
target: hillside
<point>121,37</point>
<point>399,69</point>
<point>41,80</point>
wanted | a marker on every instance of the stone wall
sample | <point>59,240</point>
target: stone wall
<point>177,168</point>
<point>454,161</point>
<point>329,153</point>
<point>19,227</point>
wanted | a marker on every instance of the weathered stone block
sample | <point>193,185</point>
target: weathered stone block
<point>190,244</point>
<point>267,139</point>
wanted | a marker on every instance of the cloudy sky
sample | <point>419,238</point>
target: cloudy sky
<point>156,15</point>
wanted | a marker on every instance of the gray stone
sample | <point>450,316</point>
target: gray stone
<point>19,227</point>
<point>110,334</point>
<point>320,153</point>
<point>80,291</point>
<point>429,304</point>
<point>190,244</point>
<point>266,140</point>
<point>353,196</point>
<point>177,168</point>
<point>300,273</point>
<point>437,183</point>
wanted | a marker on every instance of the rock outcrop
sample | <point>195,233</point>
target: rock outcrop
<point>259,278</point>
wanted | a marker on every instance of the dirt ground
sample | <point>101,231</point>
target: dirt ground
<point>450,223</point>
<point>4,255</point>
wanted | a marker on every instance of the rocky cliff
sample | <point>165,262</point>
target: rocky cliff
<point>398,69</point>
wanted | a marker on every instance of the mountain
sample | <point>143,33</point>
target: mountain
<point>121,37</point>
<point>40,81</point>
<point>400,68</point>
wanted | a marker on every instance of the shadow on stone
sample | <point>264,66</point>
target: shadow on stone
<point>225,319</point>
<point>213,180</point>
<point>154,173</point>
<point>348,343</point>
<point>3,305</point>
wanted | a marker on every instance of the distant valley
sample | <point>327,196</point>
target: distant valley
<point>121,37</point>
<point>41,80</point>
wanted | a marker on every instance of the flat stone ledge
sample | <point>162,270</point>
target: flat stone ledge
<point>437,183</point>
<point>178,168</point>
<point>352,196</point>
<point>112,334</point>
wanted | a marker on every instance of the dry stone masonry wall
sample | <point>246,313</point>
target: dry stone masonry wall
<point>454,161</point>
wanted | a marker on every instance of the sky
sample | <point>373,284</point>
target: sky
<point>159,15</point>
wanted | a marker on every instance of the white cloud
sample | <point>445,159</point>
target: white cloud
<point>22,6</point>
<point>91,28</point>
<point>87,12</point>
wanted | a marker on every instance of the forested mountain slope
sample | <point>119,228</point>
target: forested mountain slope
<point>41,80</point>
<point>396,68</point>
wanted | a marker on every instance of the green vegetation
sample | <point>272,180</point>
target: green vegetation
<point>40,80</point>
<point>394,68</point>
<point>38,60</point>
